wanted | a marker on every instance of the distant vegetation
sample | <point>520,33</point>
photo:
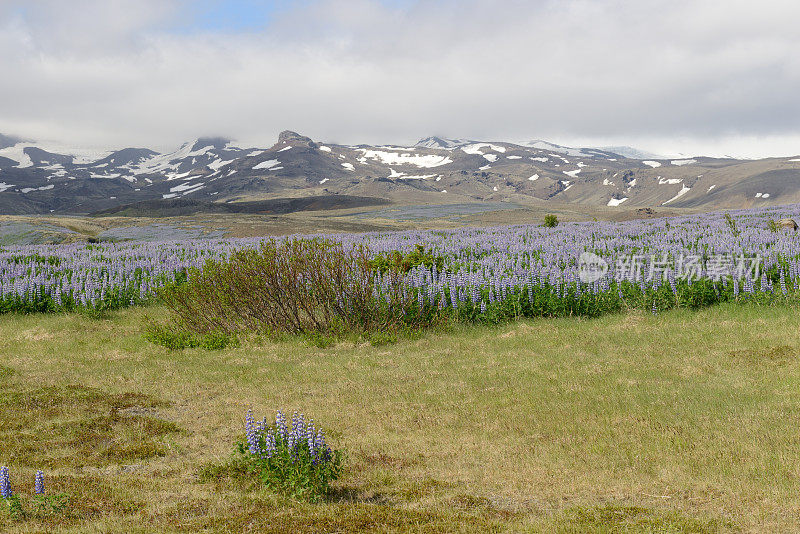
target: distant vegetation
<point>550,221</point>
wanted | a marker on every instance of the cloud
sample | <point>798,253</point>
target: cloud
<point>691,75</point>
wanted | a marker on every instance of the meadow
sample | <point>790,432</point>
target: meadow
<point>681,422</point>
<point>660,394</point>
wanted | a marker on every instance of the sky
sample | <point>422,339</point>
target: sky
<point>673,77</point>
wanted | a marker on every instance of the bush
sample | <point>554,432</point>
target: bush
<point>295,462</point>
<point>550,221</point>
<point>298,286</point>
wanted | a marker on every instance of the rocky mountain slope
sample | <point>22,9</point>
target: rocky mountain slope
<point>38,179</point>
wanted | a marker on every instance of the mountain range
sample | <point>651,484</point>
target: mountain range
<point>39,179</point>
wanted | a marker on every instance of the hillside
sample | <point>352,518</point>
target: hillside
<point>37,179</point>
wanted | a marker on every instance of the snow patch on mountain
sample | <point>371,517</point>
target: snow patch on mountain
<point>30,189</point>
<point>393,158</point>
<point>477,148</point>
<point>186,188</point>
<point>17,153</point>
<point>682,192</point>
<point>569,151</point>
<point>218,164</point>
<point>163,162</point>
<point>268,164</point>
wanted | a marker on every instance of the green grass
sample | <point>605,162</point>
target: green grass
<point>681,422</point>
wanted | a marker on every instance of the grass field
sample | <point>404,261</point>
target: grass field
<point>680,422</point>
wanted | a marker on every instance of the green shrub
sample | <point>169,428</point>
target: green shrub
<point>550,221</point>
<point>297,286</point>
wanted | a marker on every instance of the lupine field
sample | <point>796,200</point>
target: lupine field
<point>678,417</point>
<point>486,274</point>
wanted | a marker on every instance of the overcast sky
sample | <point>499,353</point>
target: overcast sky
<point>699,76</point>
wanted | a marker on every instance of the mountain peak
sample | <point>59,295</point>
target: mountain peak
<point>8,140</point>
<point>294,138</point>
<point>441,143</point>
<point>217,142</point>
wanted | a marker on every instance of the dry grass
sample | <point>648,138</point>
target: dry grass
<point>683,422</point>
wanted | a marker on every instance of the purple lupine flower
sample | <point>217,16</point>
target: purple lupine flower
<point>252,434</point>
<point>269,444</point>
<point>38,486</point>
<point>5,484</point>
<point>298,428</point>
<point>280,424</point>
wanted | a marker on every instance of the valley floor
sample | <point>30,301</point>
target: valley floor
<point>680,422</point>
<point>57,229</point>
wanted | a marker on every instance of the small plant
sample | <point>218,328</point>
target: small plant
<point>5,484</point>
<point>550,221</point>
<point>295,461</point>
<point>773,226</point>
<point>174,338</point>
<point>42,505</point>
<point>731,224</point>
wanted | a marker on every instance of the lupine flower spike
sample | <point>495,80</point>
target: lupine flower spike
<point>38,486</point>
<point>5,484</point>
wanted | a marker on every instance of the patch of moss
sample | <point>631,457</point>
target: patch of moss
<point>76,426</point>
